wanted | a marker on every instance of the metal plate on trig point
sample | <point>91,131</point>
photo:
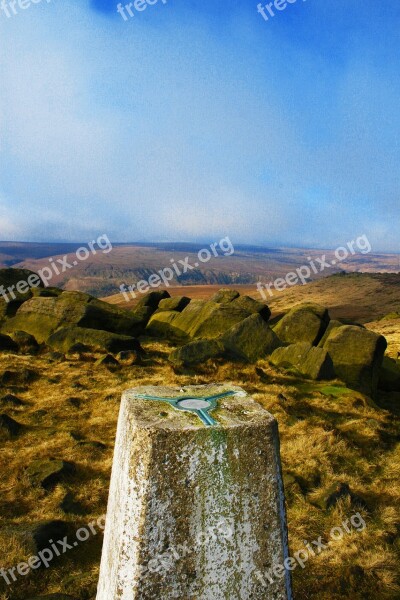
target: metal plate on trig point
<point>200,406</point>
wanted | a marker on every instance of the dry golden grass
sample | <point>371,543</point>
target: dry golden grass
<point>328,435</point>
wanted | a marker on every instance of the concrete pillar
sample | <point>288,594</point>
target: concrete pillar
<point>196,505</point>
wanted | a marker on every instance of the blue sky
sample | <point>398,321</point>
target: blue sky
<point>198,119</point>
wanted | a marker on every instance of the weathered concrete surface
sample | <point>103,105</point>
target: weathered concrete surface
<point>194,510</point>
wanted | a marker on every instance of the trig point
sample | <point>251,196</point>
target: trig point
<point>196,505</point>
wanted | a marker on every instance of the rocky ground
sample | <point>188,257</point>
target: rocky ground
<point>59,403</point>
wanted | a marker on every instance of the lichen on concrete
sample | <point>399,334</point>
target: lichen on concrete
<point>208,497</point>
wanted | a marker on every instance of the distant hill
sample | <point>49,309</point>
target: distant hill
<point>102,274</point>
<point>363,297</point>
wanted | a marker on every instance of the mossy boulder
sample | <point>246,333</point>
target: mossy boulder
<point>333,324</point>
<point>178,303</point>
<point>27,344</point>
<point>97,341</point>
<point>21,282</point>
<point>250,340</point>
<point>225,295</point>
<point>389,376</point>
<point>216,320</point>
<point>252,306</point>
<point>209,319</point>
<point>153,299</point>
<point>161,325</point>
<point>198,320</point>
<point>357,356</point>
<point>310,361</point>
<point>48,292</point>
<point>303,323</point>
<point>41,316</point>
<point>196,352</point>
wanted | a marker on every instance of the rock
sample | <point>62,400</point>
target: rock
<point>196,352</point>
<point>389,376</point>
<point>52,530</point>
<point>42,316</point>
<point>178,303</point>
<point>225,295</point>
<point>49,292</point>
<point>253,306</point>
<point>21,282</point>
<point>70,506</point>
<point>107,361</point>
<point>152,299</point>
<point>250,340</point>
<point>310,361</point>
<point>161,325</point>
<point>48,472</point>
<point>11,400</point>
<point>357,356</point>
<point>303,323</point>
<point>333,324</point>
<point>101,341</point>
<point>208,319</point>
<point>25,341</point>
<point>7,344</point>
<point>21,377</point>
<point>9,427</point>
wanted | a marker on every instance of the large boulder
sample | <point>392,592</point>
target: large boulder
<point>178,303</point>
<point>333,324</point>
<point>161,325</point>
<point>153,299</point>
<point>250,340</point>
<point>225,295</point>
<point>64,339</point>
<point>196,352</point>
<point>314,363</point>
<point>27,344</point>
<point>389,376</point>
<point>41,316</point>
<point>18,283</point>
<point>357,356</point>
<point>303,323</point>
<point>16,286</point>
<point>199,320</point>
<point>252,306</point>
